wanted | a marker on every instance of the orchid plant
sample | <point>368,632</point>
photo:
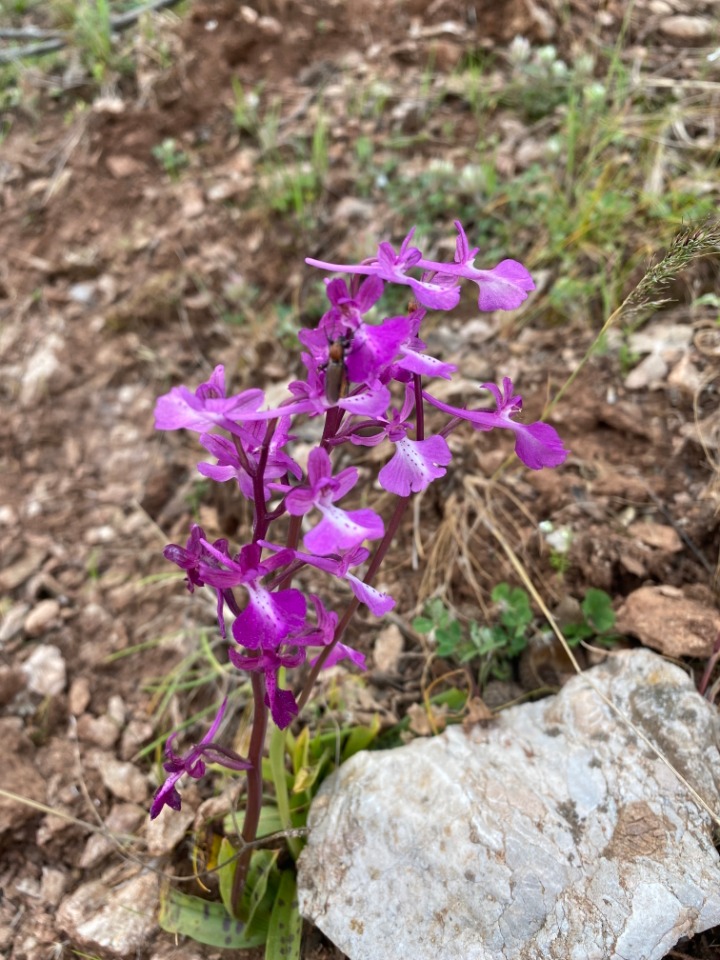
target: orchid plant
<point>366,382</point>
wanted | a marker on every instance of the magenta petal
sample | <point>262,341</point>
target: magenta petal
<point>378,603</point>
<point>504,287</point>
<point>299,501</point>
<point>215,472</point>
<point>342,652</point>
<point>340,530</point>
<point>415,465</point>
<point>268,618</point>
<point>283,706</point>
<point>374,347</point>
<point>166,796</point>
<point>538,445</point>
<point>372,402</point>
<point>425,365</point>
<point>433,295</point>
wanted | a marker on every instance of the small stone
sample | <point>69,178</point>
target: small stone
<point>121,166</point>
<point>388,648</point>
<point>193,202</point>
<point>100,731</point>
<point>122,821</point>
<point>83,293</point>
<point>8,516</point>
<point>14,575</point>
<point>122,779</point>
<point>116,710</point>
<point>651,370</point>
<point>135,734</point>
<point>666,620</point>
<point>657,535</point>
<point>12,623</point>
<point>98,535</point>
<point>688,29</point>
<point>166,831</point>
<point>45,372</point>
<point>46,671</point>
<point>42,617</point>
<point>79,696</point>
<point>12,681</point>
<point>52,885</point>
<point>115,921</point>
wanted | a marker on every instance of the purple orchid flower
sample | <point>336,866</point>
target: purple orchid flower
<point>282,703</point>
<point>377,602</point>
<point>536,444</point>
<point>370,401</point>
<point>339,529</point>
<point>208,407</point>
<point>229,465</point>
<point>323,634</point>
<point>193,764</point>
<point>268,617</point>
<point>415,463</point>
<point>443,294</point>
<point>199,559</point>
<point>504,287</point>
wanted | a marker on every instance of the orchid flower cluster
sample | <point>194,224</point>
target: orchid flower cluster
<point>353,367</point>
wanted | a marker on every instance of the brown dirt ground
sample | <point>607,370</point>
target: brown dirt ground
<point>91,494</point>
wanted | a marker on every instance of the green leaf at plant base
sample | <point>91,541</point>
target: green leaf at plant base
<point>268,824</point>
<point>597,607</point>
<point>206,922</point>
<point>260,887</point>
<point>285,930</point>
<point>360,738</point>
<point>307,775</point>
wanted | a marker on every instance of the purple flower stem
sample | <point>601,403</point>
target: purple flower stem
<point>262,518</point>
<point>242,456</point>
<point>253,804</point>
<point>419,409</point>
<point>377,559</point>
<point>333,419</point>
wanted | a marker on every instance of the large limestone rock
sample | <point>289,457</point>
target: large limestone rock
<point>556,833</point>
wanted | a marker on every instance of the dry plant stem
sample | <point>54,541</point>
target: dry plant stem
<point>253,805</point>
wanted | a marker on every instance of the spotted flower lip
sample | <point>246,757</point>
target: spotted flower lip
<point>339,529</point>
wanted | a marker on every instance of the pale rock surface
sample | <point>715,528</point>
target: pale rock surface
<point>114,921</point>
<point>554,833</point>
<point>46,671</point>
<point>666,620</point>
